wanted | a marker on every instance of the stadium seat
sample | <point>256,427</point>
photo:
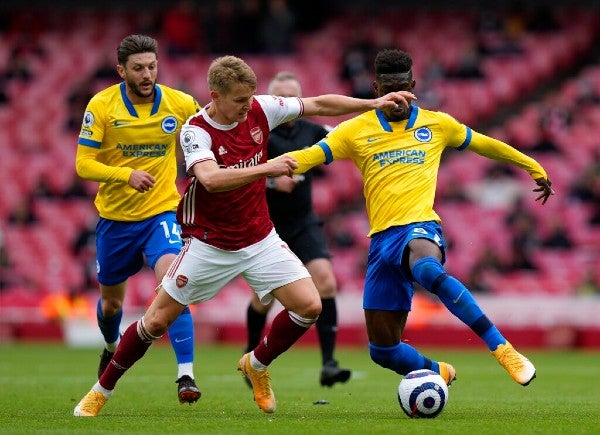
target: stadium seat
<point>19,297</point>
<point>348,265</point>
<point>357,225</point>
<point>323,196</point>
<point>317,64</point>
<point>345,179</point>
<point>140,289</point>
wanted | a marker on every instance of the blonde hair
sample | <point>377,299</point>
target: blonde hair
<point>226,71</point>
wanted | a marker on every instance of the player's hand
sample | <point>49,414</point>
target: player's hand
<point>287,184</point>
<point>545,189</point>
<point>394,99</point>
<point>283,165</point>
<point>141,181</point>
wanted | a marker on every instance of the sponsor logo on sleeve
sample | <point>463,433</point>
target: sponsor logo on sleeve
<point>88,119</point>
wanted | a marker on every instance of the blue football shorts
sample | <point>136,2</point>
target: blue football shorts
<point>123,247</point>
<point>388,286</point>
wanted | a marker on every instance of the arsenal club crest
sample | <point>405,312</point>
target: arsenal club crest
<point>257,135</point>
<point>181,281</point>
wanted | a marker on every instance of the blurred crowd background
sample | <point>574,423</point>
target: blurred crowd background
<point>524,72</point>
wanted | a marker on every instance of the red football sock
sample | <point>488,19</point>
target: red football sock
<point>130,349</point>
<point>283,333</point>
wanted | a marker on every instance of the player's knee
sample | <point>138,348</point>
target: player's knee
<point>111,306</point>
<point>327,287</point>
<point>155,325</point>
<point>259,307</point>
<point>383,356</point>
<point>310,310</point>
<point>313,310</point>
<point>144,332</point>
<point>428,272</point>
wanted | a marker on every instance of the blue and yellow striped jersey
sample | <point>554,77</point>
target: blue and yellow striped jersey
<point>399,161</point>
<point>117,137</point>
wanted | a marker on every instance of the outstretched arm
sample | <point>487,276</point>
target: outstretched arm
<point>334,105</point>
<point>306,158</point>
<point>494,149</point>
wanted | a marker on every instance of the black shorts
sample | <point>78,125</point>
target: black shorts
<point>306,239</point>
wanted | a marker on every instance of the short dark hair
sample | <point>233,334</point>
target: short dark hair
<point>135,44</point>
<point>392,61</point>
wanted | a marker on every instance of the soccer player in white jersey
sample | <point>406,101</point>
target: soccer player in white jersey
<point>398,152</point>
<point>226,226</point>
<point>128,144</point>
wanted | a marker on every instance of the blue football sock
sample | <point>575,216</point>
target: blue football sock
<point>430,273</point>
<point>181,334</point>
<point>493,338</point>
<point>109,326</point>
<point>401,358</point>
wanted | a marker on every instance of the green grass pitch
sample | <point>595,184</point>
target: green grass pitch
<point>40,384</point>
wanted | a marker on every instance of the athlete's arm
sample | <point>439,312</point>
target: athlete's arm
<point>307,158</point>
<point>89,168</point>
<point>334,105</point>
<point>217,179</point>
<point>497,150</point>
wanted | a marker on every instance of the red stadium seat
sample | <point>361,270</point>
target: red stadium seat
<point>324,199</point>
<point>348,266</point>
<point>317,63</point>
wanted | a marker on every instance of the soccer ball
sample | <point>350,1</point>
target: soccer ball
<point>422,394</point>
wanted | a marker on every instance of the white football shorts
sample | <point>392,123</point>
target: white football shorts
<point>200,270</point>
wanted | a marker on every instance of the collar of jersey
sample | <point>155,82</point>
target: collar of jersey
<point>412,118</point>
<point>131,107</point>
